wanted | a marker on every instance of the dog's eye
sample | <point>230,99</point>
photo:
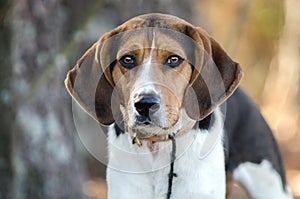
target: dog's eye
<point>174,61</point>
<point>127,61</point>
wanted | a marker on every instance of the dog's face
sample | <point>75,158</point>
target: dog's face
<point>151,73</point>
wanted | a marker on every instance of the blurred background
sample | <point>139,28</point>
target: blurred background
<point>41,155</point>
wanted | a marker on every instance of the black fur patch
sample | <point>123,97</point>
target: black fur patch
<point>118,130</point>
<point>207,122</point>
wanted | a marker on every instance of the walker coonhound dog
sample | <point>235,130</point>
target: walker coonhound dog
<point>178,123</point>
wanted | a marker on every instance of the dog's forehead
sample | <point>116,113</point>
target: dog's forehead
<point>168,33</point>
<point>148,39</point>
<point>154,20</point>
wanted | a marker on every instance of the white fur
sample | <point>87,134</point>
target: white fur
<point>261,180</point>
<point>144,84</point>
<point>145,77</point>
<point>134,172</point>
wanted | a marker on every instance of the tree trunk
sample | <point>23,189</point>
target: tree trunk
<point>46,159</point>
<point>6,116</point>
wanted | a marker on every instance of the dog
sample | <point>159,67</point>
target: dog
<point>179,125</point>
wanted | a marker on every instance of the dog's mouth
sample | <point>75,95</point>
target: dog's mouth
<point>144,123</point>
<point>154,124</point>
<point>142,120</point>
<point>150,122</point>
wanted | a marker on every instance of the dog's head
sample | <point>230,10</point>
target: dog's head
<point>151,73</point>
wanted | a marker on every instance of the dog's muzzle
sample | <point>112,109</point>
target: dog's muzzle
<point>146,106</point>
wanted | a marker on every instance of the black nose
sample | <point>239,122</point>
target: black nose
<point>146,105</point>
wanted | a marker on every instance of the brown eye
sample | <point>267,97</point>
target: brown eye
<point>127,61</point>
<point>174,61</point>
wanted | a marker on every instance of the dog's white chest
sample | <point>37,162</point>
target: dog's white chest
<point>135,172</point>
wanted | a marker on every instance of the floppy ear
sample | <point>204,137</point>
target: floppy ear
<point>214,81</point>
<point>88,85</point>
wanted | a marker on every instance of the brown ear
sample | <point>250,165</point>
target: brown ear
<point>213,82</point>
<point>89,87</point>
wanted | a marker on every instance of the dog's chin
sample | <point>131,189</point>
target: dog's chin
<point>148,129</point>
